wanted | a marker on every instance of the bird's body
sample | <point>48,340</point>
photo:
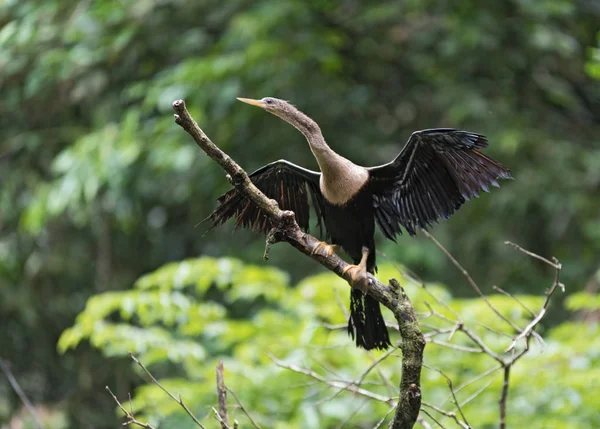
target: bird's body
<point>433,175</point>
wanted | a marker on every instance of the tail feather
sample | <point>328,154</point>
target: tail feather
<point>366,324</point>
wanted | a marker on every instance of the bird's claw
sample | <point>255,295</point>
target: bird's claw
<point>323,249</point>
<point>357,275</point>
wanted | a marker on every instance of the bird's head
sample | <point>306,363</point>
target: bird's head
<point>273,105</point>
<point>285,111</point>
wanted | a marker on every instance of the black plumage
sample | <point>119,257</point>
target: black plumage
<point>434,174</point>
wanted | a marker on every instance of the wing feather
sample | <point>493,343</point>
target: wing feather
<point>286,183</point>
<point>434,174</point>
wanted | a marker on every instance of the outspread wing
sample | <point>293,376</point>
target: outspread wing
<point>431,178</point>
<point>286,183</point>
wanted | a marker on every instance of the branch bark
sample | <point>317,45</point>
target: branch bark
<point>222,396</point>
<point>286,229</point>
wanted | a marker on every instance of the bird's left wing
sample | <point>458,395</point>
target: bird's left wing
<point>283,181</point>
<point>433,175</point>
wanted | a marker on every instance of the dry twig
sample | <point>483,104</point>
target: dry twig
<point>173,397</point>
<point>21,394</point>
<point>222,396</point>
<point>244,410</point>
<point>506,363</point>
<point>343,385</point>
<point>131,420</point>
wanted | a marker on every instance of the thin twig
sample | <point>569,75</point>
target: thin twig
<point>433,418</point>
<point>529,329</point>
<point>477,340</point>
<point>375,363</point>
<point>344,385</point>
<point>21,394</point>
<point>131,420</point>
<point>173,397</point>
<point>450,414</point>
<point>424,423</point>
<point>493,331</point>
<point>224,424</point>
<point>244,410</point>
<point>355,411</point>
<point>554,264</point>
<point>449,381</point>
<point>478,392</point>
<point>517,300</point>
<point>473,380</point>
<point>470,280</point>
<point>380,422</point>
<point>454,346</point>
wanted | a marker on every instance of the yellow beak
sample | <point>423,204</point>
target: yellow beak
<point>258,103</point>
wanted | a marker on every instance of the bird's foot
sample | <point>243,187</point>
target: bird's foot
<point>325,250</point>
<point>357,275</point>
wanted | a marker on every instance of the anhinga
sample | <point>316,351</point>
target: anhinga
<point>436,171</point>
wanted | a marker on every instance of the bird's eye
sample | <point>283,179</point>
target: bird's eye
<point>269,101</point>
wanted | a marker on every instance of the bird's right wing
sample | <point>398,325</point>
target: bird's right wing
<point>431,178</point>
<point>286,183</point>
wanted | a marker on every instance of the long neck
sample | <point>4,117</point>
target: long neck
<point>341,179</point>
<point>329,161</point>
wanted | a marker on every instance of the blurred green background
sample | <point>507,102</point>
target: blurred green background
<point>98,187</point>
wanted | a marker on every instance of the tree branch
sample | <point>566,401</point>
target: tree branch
<point>24,399</point>
<point>244,410</point>
<point>343,385</point>
<point>222,396</point>
<point>173,397</point>
<point>286,229</point>
<point>131,420</point>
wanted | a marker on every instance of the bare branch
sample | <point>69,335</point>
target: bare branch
<point>380,422</point>
<point>470,280</point>
<point>554,264</point>
<point>454,346</point>
<point>21,394</point>
<point>433,418</point>
<point>529,329</point>
<point>173,397</point>
<point>424,423</point>
<point>376,362</point>
<point>450,386</point>
<point>443,412</point>
<point>511,296</point>
<point>131,420</point>
<point>477,340</point>
<point>224,424</point>
<point>473,380</point>
<point>244,410</point>
<point>478,392</point>
<point>503,396</point>
<point>222,396</point>
<point>344,385</point>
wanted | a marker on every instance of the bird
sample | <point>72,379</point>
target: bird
<point>433,175</point>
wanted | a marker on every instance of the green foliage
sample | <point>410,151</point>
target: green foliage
<point>299,325</point>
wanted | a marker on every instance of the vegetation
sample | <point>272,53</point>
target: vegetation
<point>98,188</point>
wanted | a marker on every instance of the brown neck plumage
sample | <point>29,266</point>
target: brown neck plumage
<point>341,179</point>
